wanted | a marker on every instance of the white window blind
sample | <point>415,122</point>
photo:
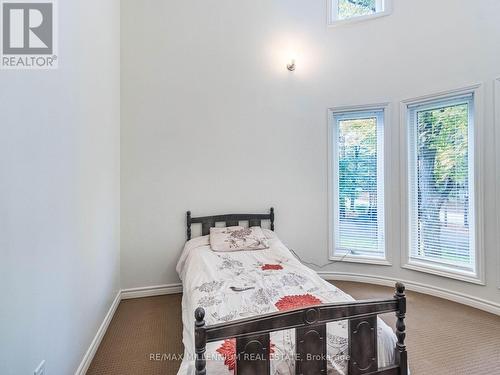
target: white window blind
<point>358,184</point>
<point>441,182</point>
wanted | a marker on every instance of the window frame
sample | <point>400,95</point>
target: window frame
<point>332,178</point>
<point>497,163</point>
<point>332,11</point>
<point>477,151</point>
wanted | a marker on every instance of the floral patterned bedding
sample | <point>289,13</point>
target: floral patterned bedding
<point>237,238</point>
<point>241,284</point>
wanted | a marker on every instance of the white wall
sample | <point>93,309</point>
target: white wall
<point>59,194</point>
<point>213,122</point>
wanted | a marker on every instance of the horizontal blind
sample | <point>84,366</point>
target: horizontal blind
<point>441,181</point>
<point>359,190</point>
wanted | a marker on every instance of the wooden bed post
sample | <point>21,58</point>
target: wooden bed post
<point>200,339</point>
<point>188,225</point>
<point>401,354</point>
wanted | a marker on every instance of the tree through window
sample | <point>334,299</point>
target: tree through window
<point>353,8</point>
<point>441,183</point>
<point>358,184</point>
<point>342,10</point>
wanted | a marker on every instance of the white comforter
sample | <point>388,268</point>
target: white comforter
<point>274,273</point>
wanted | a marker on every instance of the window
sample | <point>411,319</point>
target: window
<point>357,185</point>
<point>441,185</point>
<point>345,10</point>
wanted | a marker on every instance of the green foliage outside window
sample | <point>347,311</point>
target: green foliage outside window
<point>442,178</point>
<point>357,164</point>
<point>354,8</point>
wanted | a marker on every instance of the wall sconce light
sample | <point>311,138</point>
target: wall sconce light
<point>291,66</point>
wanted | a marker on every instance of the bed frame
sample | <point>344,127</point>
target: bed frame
<point>252,334</point>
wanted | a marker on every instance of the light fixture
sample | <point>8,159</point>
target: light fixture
<point>291,66</point>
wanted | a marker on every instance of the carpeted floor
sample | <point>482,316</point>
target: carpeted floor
<point>442,337</point>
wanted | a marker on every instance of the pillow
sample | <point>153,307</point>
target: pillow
<point>237,238</point>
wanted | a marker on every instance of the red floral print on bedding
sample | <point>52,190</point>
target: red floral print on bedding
<point>297,301</point>
<point>228,351</point>
<point>274,267</point>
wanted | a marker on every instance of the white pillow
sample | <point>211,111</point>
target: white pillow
<point>237,238</point>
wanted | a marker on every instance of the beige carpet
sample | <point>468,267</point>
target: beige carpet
<point>442,337</point>
<point>140,328</point>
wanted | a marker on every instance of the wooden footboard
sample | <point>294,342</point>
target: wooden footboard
<point>253,344</point>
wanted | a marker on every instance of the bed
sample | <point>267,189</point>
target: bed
<point>264,312</point>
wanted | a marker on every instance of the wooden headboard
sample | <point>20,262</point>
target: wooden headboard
<point>207,222</point>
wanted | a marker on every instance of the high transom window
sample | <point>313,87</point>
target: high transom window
<point>345,10</point>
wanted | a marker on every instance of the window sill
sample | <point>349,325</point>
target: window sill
<point>348,21</point>
<point>444,271</point>
<point>360,259</point>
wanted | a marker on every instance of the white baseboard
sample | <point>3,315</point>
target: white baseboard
<point>464,299</point>
<point>89,355</point>
<point>150,291</point>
